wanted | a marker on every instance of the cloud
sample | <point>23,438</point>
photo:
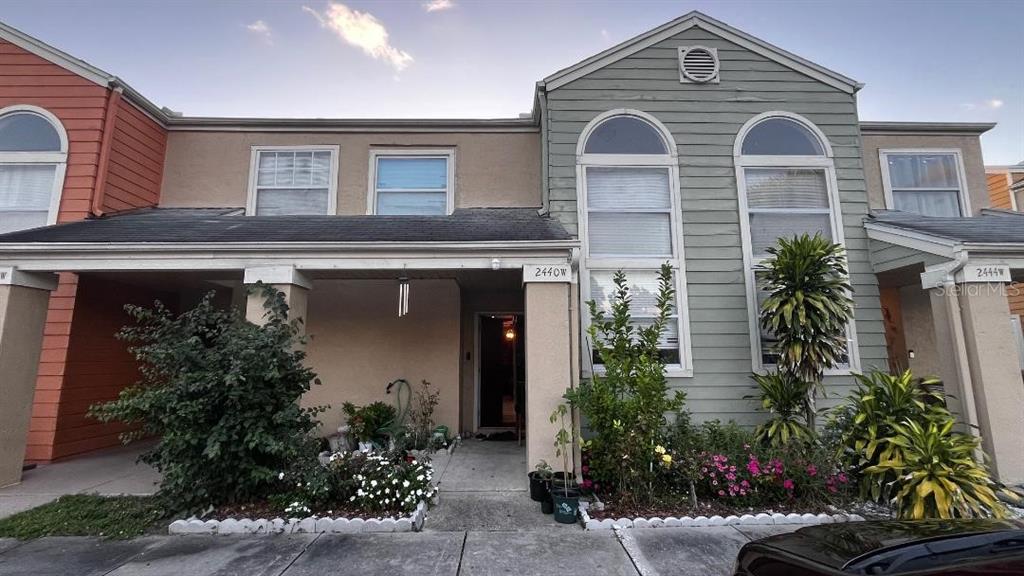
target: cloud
<point>438,5</point>
<point>991,104</point>
<point>994,103</point>
<point>260,28</point>
<point>364,31</point>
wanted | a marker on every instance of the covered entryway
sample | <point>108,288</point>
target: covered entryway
<point>380,298</point>
<point>501,373</point>
<point>944,285</point>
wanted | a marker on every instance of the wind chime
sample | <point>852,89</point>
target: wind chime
<point>403,296</point>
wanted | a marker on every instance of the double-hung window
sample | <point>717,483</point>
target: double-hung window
<point>628,182</point>
<point>787,187</point>
<point>33,157</point>
<point>412,182</point>
<point>927,182</point>
<point>294,180</point>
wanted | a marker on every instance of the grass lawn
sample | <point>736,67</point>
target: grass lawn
<point>118,517</point>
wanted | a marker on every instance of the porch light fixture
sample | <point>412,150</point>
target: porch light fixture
<point>510,334</point>
<point>403,296</point>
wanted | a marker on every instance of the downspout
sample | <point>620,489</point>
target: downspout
<point>110,119</point>
<point>542,100</point>
<point>956,327</point>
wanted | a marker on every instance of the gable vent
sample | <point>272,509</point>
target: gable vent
<point>698,65</point>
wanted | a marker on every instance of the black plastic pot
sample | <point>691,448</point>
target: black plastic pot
<point>559,481</point>
<point>567,505</point>
<point>538,487</point>
<point>547,506</point>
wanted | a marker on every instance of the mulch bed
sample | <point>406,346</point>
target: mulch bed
<point>257,510</point>
<point>679,509</point>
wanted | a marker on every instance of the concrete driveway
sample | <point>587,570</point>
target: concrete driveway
<point>675,551</point>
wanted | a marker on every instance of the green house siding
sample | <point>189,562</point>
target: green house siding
<point>704,120</point>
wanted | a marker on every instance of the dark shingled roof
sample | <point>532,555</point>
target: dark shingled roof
<point>229,225</point>
<point>991,227</point>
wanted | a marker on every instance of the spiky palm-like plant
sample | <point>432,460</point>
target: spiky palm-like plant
<point>808,307</point>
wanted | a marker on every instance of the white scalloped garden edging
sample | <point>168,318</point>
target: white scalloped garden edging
<point>310,525</point>
<point>700,521</point>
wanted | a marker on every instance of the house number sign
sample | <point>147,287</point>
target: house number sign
<point>547,273</point>
<point>987,273</point>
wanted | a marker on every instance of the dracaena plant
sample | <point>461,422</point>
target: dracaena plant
<point>807,308</point>
<point>784,397</point>
<point>937,475</point>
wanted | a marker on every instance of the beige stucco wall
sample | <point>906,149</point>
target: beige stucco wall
<point>22,315</point>
<point>491,169</point>
<point>357,343</point>
<point>919,331</point>
<point>969,146</point>
<point>549,370</point>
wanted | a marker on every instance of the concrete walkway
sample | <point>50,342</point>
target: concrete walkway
<point>662,551</point>
<point>108,472</point>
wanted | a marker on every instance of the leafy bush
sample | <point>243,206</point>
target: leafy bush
<point>807,308</point>
<point>222,397</point>
<point>937,475</point>
<point>626,406</point>
<point>897,436</point>
<point>785,398</point>
<point>866,424</point>
<point>370,423</point>
<point>115,517</point>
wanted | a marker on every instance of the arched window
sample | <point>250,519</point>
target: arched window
<point>33,155</point>
<point>628,190</point>
<point>787,187</point>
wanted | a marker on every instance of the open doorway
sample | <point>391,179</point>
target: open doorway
<point>501,372</point>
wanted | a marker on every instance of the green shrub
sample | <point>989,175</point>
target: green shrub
<point>222,397</point>
<point>936,473</point>
<point>371,423</point>
<point>626,407</point>
<point>785,398</point>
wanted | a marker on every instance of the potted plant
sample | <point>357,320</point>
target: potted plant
<point>539,480</point>
<point>564,495</point>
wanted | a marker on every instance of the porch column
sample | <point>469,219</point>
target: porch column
<point>24,298</point>
<point>294,284</point>
<point>548,365</point>
<point>995,376</point>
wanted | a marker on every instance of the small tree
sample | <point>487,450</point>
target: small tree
<point>808,307</point>
<point>222,397</point>
<point>625,408</point>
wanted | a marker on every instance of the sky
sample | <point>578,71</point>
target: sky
<point>921,61</point>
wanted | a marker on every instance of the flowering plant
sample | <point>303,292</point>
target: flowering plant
<point>387,484</point>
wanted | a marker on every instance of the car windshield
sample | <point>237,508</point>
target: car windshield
<point>938,552</point>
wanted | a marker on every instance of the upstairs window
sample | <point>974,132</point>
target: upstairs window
<point>628,190</point>
<point>299,180</point>
<point>33,158</point>
<point>786,180</point>
<point>412,182</point>
<point>926,182</point>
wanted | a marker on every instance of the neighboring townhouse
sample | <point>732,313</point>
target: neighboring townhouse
<point>1006,192</point>
<point>462,251</point>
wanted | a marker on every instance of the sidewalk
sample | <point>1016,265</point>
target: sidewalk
<point>661,551</point>
<point>109,472</point>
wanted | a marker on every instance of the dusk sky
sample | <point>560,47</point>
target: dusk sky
<point>927,61</point>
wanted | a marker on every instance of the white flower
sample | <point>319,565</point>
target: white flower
<point>405,484</point>
<point>419,478</point>
<point>280,476</point>
<point>373,482</point>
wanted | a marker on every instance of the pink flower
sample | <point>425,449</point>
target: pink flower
<point>812,470</point>
<point>842,478</point>
<point>584,469</point>
<point>721,492</point>
<point>754,467</point>
<point>787,484</point>
<point>832,489</point>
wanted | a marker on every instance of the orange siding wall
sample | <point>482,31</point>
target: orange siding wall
<point>136,161</point>
<point>999,190</point>
<point>133,180</point>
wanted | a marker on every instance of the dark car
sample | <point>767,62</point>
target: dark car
<point>948,547</point>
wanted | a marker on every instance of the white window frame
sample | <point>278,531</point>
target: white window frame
<point>883,161</point>
<point>376,153</point>
<point>58,159</point>
<point>332,179</point>
<point>750,260</point>
<point>677,260</point>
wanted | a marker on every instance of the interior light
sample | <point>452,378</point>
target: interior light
<point>510,334</point>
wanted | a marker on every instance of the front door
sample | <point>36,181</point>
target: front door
<point>502,371</point>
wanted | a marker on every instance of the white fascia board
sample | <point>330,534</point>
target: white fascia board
<point>726,32</point>
<point>276,275</point>
<point>944,247</point>
<point>106,257</point>
<point>11,276</point>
